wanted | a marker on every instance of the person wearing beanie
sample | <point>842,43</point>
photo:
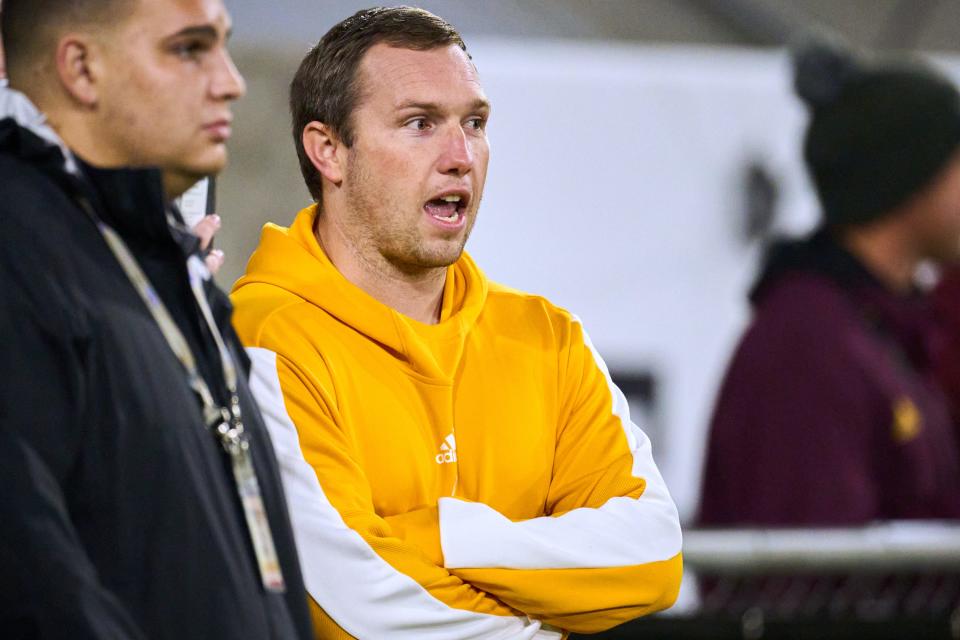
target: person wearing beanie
<point>831,412</point>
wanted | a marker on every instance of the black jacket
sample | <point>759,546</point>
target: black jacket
<point>119,517</point>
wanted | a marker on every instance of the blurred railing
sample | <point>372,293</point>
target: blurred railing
<point>896,581</point>
<point>890,547</point>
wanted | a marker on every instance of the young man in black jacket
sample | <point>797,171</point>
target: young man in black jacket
<point>139,495</point>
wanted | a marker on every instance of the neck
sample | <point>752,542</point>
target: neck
<point>885,252</point>
<point>416,294</point>
<point>81,138</point>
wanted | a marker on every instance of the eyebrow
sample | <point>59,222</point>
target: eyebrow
<point>432,107</point>
<point>199,31</point>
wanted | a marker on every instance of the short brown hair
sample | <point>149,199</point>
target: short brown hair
<point>30,28</point>
<point>326,86</point>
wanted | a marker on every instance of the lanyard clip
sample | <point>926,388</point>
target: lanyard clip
<point>230,432</point>
<point>235,409</point>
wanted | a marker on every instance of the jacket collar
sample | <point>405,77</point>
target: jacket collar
<point>129,200</point>
<point>19,108</point>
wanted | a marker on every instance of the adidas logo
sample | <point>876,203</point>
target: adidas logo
<point>448,450</point>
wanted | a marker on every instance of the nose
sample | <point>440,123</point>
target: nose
<point>227,82</point>
<point>457,157</point>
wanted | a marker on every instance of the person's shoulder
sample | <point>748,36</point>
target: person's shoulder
<point>38,250</point>
<point>531,317</point>
<point>803,313</point>
<point>35,212</point>
<point>35,209</point>
<point>24,185</point>
<point>804,299</point>
<point>503,297</point>
<point>261,309</point>
<point>277,326</point>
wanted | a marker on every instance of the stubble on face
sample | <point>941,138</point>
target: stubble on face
<point>393,241</point>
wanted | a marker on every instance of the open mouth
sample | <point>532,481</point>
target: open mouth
<point>448,209</point>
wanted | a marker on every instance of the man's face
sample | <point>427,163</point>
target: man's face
<point>415,173</point>
<point>936,218</point>
<point>167,84</point>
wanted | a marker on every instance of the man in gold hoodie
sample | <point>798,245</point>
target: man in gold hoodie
<point>457,462</point>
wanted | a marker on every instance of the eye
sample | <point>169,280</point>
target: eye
<point>477,123</point>
<point>189,50</point>
<point>417,124</point>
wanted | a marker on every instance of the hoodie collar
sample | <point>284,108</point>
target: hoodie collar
<point>292,259</point>
<point>905,319</point>
<point>818,253</point>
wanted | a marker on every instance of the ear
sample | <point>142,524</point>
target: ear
<point>325,151</point>
<point>77,69</point>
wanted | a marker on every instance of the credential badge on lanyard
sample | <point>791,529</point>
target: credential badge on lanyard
<point>227,424</point>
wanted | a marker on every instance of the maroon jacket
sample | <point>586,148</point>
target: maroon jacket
<point>830,412</point>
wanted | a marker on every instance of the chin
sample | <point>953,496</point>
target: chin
<point>210,162</point>
<point>213,166</point>
<point>441,257</point>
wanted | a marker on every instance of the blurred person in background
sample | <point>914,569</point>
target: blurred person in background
<point>946,307</point>
<point>454,449</point>
<point>832,411</point>
<point>127,432</point>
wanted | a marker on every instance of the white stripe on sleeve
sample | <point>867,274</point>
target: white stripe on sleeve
<point>621,532</point>
<point>363,594</point>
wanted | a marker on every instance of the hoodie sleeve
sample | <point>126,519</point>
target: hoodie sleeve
<point>608,548</point>
<point>373,575</point>
<point>47,582</point>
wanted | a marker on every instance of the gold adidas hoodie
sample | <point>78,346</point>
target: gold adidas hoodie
<point>477,478</point>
